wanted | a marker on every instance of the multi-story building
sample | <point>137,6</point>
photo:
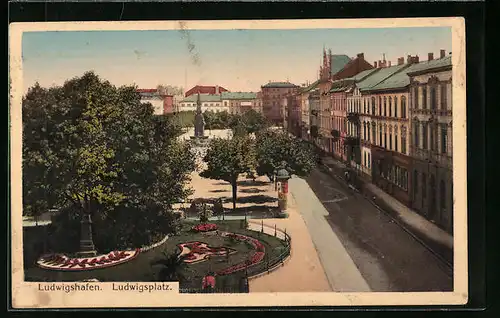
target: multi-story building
<point>371,112</point>
<point>273,96</point>
<point>333,108</point>
<point>314,106</point>
<point>293,113</point>
<point>208,102</point>
<point>353,134</point>
<point>162,103</point>
<point>200,89</point>
<point>239,102</point>
<point>305,110</point>
<point>431,142</point>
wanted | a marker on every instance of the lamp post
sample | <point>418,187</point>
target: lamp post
<point>283,176</point>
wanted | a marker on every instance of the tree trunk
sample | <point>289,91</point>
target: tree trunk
<point>235,190</point>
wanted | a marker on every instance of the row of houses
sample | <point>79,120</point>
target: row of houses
<point>213,98</point>
<point>391,123</point>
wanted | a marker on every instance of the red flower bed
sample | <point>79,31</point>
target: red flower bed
<point>256,258</point>
<point>205,227</point>
<point>61,262</point>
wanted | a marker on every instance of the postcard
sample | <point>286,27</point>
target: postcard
<point>238,163</point>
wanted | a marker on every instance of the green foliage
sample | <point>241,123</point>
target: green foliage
<point>90,147</point>
<point>205,213</point>
<point>184,119</point>
<point>276,147</point>
<point>172,268</point>
<point>226,159</point>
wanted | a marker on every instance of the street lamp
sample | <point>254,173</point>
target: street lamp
<point>283,176</point>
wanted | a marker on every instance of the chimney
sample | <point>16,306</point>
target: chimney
<point>380,64</point>
<point>408,59</point>
<point>389,63</point>
<point>401,61</point>
<point>375,64</point>
<point>415,59</point>
<point>442,53</point>
<point>361,56</point>
<point>430,57</point>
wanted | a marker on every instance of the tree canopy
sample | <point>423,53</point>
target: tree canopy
<point>273,148</point>
<point>90,147</point>
<point>226,159</point>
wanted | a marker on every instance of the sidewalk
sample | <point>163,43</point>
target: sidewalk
<point>302,271</point>
<point>437,239</point>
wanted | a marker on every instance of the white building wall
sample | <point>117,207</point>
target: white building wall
<point>157,104</point>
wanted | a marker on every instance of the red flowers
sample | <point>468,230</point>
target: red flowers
<point>62,262</point>
<point>205,227</point>
<point>208,281</point>
<point>255,259</point>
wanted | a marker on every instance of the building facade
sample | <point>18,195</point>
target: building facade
<point>273,96</point>
<point>208,102</point>
<point>333,99</point>
<point>240,102</point>
<point>431,146</point>
<point>162,103</point>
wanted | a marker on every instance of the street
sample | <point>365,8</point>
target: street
<point>388,258</point>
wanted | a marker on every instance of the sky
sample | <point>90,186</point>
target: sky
<point>239,60</point>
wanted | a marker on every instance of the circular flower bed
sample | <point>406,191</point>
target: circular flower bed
<point>205,227</point>
<point>256,257</point>
<point>64,263</point>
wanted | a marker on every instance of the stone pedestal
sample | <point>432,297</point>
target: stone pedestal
<point>87,248</point>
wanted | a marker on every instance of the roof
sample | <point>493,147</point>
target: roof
<point>373,79</point>
<point>338,62</point>
<point>146,90</point>
<point>362,75</point>
<point>341,85</point>
<point>401,79</point>
<point>203,98</point>
<point>279,85</point>
<point>429,66</point>
<point>238,95</point>
<point>310,87</point>
<point>204,90</point>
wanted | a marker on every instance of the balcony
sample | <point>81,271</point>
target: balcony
<point>353,117</point>
<point>352,141</point>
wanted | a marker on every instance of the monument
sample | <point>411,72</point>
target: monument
<point>199,125</point>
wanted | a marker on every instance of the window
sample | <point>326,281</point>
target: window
<point>373,105</point>
<point>396,141</point>
<point>443,97</point>
<point>432,137</point>
<point>403,140</point>
<point>395,106</point>
<point>424,97</point>
<point>385,136</point>
<point>444,138</point>
<point>364,130</point>
<point>374,134</point>
<point>425,132</point>
<point>364,105</point>
<point>416,134</point>
<point>390,138</point>
<point>405,179</point>
<point>385,106</point>
<point>403,107</point>
<point>380,135</point>
<point>433,97</point>
<point>415,98</point>
<point>380,106</point>
<point>369,161</point>
<point>390,106</point>
<point>364,158</point>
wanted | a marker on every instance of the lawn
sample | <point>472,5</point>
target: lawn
<point>141,269</point>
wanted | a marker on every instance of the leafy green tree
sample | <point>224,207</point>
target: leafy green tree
<point>275,147</point>
<point>226,159</point>
<point>172,268</point>
<point>96,149</point>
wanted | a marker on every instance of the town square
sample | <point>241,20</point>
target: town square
<point>213,159</point>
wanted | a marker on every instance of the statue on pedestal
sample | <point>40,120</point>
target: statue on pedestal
<point>199,120</point>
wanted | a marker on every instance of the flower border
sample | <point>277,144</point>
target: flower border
<point>61,262</point>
